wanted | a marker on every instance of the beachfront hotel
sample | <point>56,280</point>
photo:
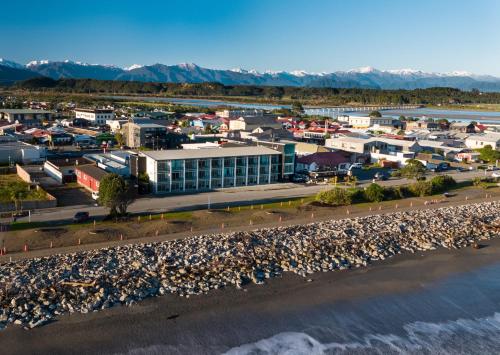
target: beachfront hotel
<point>191,170</point>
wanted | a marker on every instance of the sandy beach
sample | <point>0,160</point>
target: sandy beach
<point>223,319</point>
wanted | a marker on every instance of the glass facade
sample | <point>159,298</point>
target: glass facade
<point>213,173</point>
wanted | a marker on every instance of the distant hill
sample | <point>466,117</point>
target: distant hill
<point>368,78</point>
<point>9,75</point>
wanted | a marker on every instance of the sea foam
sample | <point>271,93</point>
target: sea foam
<point>462,336</point>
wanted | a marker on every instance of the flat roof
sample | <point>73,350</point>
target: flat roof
<point>94,110</point>
<point>173,154</point>
<point>23,110</point>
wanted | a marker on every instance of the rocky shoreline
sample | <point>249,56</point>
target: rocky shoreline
<point>35,291</point>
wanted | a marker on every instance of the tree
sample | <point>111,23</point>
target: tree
<point>375,114</point>
<point>116,194</point>
<point>374,193</point>
<point>120,139</point>
<point>488,154</point>
<point>208,129</point>
<point>17,192</point>
<point>297,107</point>
<point>414,169</point>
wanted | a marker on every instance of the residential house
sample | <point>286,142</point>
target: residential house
<point>249,123</point>
<point>236,113</point>
<point>477,141</point>
<point>462,127</point>
<point>367,121</point>
<point>422,125</point>
<point>324,161</point>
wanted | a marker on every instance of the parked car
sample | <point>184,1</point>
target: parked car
<point>356,166</point>
<point>491,168</point>
<point>380,176</point>
<point>496,174</point>
<point>81,217</point>
<point>95,195</point>
<point>300,178</point>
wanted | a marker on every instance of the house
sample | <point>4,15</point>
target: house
<point>367,121</point>
<point>378,148</point>
<point>155,115</point>
<point>191,170</point>
<point>89,176</point>
<point>462,127</point>
<point>324,161</point>
<point>477,141</point>
<point>96,117</point>
<point>466,156</point>
<point>249,123</point>
<point>302,149</point>
<point>424,125</point>
<point>239,113</point>
<point>27,117</point>
<point>62,170</point>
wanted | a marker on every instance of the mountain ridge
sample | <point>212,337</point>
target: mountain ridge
<point>365,77</point>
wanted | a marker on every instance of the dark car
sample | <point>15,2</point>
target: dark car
<point>80,217</point>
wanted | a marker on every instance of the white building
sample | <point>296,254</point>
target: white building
<point>239,113</point>
<point>477,141</point>
<point>95,116</point>
<point>366,121</point>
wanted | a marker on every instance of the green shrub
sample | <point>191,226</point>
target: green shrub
<point>395,193</point>
<point>356,195</point>
<point>334,197</point>
<point>402,192</point>
<point>476,181</point>
<point>442,183</point>
<point>374,193</point>
<point>421,188</point>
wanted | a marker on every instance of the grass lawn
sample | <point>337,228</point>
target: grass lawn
<point>7,180</point>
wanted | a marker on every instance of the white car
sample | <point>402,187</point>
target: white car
<point>356,166</point>
<point>495,174</point>
<point>95,195</point>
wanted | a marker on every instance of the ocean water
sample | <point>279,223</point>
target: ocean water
<point>456,315</point>
<point>459,315</point>
<point>462,336</point>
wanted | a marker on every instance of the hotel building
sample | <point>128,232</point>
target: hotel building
<point>191,170</point>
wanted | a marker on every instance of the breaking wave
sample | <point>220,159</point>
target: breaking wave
<point>462,336</point>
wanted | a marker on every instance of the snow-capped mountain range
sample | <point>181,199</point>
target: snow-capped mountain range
<point>365,77</point>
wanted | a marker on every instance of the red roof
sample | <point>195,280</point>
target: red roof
<point>331,159</point>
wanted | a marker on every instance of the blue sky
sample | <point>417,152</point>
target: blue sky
<point>313,35</point>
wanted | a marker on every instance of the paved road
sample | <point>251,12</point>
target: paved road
<point>220,198</point>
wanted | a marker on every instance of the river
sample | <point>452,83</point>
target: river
<point>453,115</point>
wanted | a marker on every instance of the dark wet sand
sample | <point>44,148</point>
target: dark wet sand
<point>223,319</point>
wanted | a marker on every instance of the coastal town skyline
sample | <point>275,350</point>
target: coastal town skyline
<point>323,36</point>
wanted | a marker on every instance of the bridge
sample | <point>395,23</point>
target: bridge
<point>336,111</point>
